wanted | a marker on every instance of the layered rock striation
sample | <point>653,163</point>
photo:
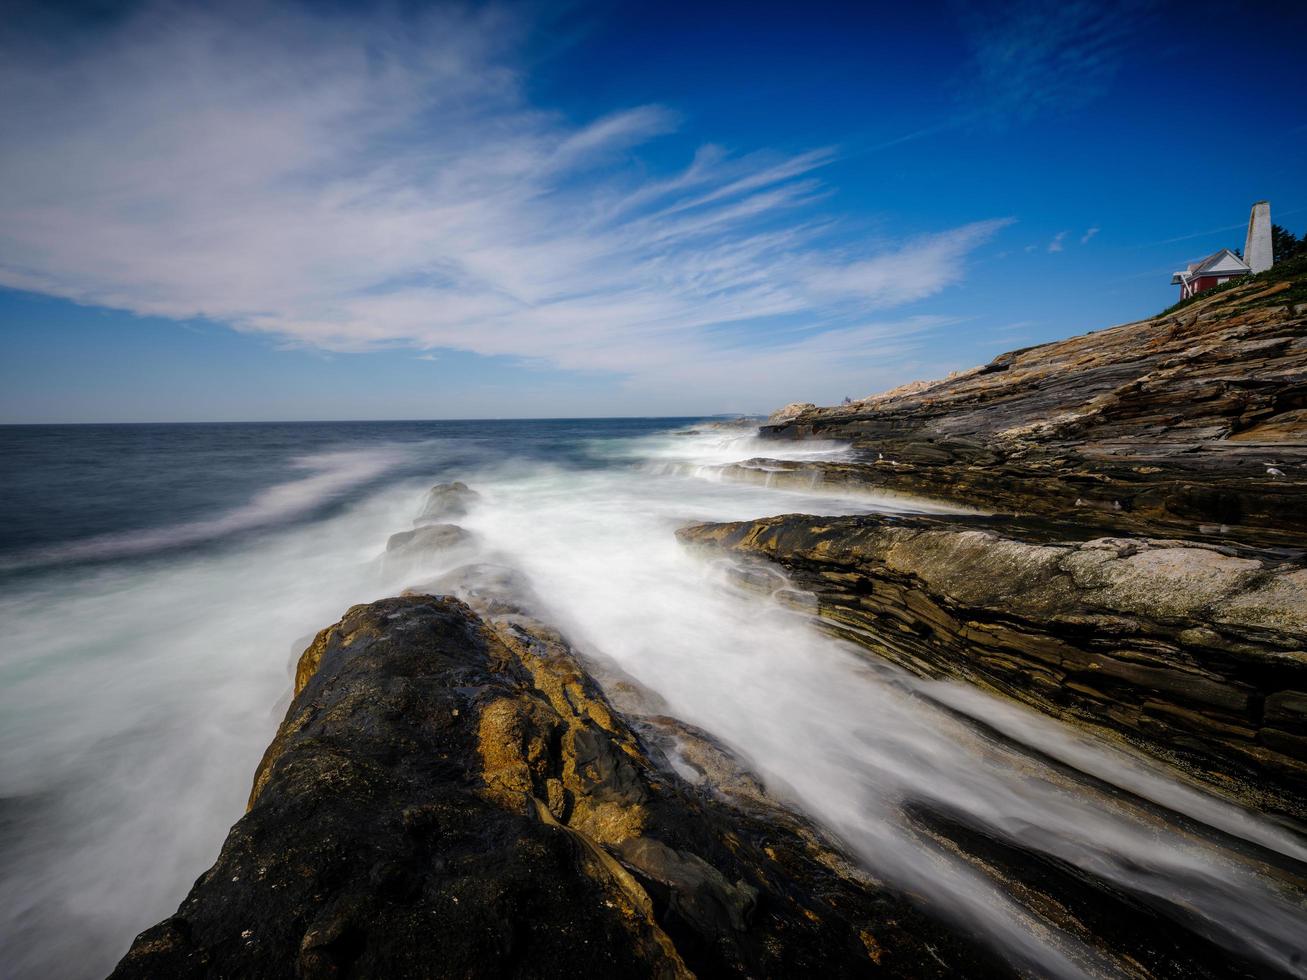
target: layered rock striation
<point>1195,654</point>
<point>1190,423</point>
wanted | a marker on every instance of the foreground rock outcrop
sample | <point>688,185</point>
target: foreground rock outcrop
<point>1195,654</point>
<point>453,797</point>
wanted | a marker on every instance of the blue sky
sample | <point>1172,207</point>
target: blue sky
<point>277,211</point>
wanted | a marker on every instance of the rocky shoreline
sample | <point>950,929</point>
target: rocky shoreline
<point>456,791</point>
<point>452,793</point>
<point>1142,568</point>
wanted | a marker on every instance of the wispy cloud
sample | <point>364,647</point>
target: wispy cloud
<point>1029,57</point>
<point>351,184</point>
<point>1089,234</point>
<point>1056,244</point>
<point>920,267</point>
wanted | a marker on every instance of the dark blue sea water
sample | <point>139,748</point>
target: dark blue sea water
<point>65,487</point>
<point>158,582</point>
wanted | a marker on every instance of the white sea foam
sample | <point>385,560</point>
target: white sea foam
<point>723,445</point>
<point>713,454</point>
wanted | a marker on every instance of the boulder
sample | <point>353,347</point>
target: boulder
<point>446,501</point>
<point>429,538</point>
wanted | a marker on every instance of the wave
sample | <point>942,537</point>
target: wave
<point>330,476</point>
<point>724,446</point>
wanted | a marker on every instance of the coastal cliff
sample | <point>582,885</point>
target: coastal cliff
<point>1192,423</point>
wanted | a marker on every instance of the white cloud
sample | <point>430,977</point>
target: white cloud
<point>918,268</point>
<point>1056,244</point>
<point>1084,239</point>
<point>351,184</point>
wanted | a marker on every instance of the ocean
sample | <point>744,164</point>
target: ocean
<point>157,583</point>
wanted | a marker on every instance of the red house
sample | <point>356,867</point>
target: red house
<point>1222,266</point>
<point>1217,268</point>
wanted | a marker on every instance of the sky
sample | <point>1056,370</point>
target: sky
<point>254,210</point>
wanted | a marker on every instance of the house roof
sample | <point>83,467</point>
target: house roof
<point>1218,263</point>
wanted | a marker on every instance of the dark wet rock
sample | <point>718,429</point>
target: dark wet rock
<point>1196,654</point>
<point>446,501</point>
<point>1189,424</point>
<point>504,598</point>
<point>1091,907</point>
<point>430,537</point>
<point>450,796</point>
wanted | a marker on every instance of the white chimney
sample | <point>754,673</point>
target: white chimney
<point>1257,247</point>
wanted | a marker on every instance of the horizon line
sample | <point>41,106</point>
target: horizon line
<point>504,418</point>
